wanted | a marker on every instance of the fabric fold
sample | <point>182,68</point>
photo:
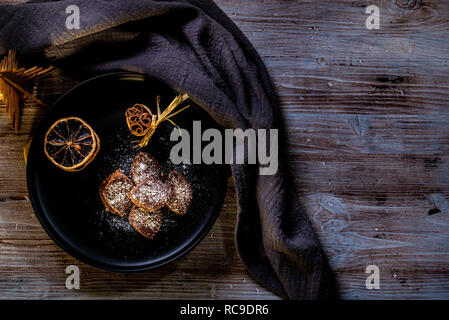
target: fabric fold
<point>194,47</point>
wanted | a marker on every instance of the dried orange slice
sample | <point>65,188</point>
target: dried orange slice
<point>71,144</point>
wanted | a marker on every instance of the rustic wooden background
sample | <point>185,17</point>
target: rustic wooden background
<point>367,113</point>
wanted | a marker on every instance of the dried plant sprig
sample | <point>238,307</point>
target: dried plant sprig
<point>142,122</point>
<point>12,82</point>
<point>22,90</point>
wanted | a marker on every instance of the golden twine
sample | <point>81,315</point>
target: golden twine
<point>136,116</point>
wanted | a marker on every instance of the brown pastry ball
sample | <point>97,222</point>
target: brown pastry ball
<point>150,195</point>
<point>145,167</point>
<point>146,223</point>
<point>182,193</point>
<point>113,192</point>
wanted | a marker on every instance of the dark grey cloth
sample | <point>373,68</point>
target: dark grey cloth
<point>194,47</point>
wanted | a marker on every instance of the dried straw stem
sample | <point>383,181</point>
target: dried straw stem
<point>12,92</point>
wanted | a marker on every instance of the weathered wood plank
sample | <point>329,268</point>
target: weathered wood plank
<point>323,59</point>
<point>372,174</point>
<point>32,266</point>
<point>367,115</point>
<point>384,232</point>
<point>368,134</point>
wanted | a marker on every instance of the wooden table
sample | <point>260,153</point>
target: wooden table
<point>367,113</point>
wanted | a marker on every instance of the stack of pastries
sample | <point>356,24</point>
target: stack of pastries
<point>146,192</point>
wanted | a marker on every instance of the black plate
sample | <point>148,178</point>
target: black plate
<point>68,204</point>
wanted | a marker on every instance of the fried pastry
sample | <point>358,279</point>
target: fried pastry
<point>145,167</point>
<point>146,223</point>
<point>150,195</point>
<point>182,193</point>
<point>113,192</point>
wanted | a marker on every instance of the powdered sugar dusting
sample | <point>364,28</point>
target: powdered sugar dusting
<point>119,153</point>
<point>115,191</point>
<point>151,195</point>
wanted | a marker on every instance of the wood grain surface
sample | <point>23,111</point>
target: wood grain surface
<point>367,115</point>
